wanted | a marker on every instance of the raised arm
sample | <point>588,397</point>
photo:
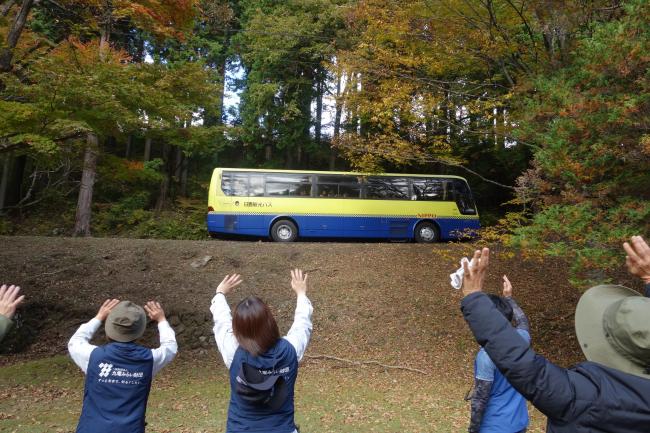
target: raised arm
<point>518,315</point>
<point>550,388</point>
<point>223,335</point>
<point>164,354</point>
<point>300,331</point>
<point>9,301</point>
<point>638,260</point>
<point>79,345</point>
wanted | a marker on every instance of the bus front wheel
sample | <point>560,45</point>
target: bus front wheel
<point>284,231</point>
<point>426,232</point>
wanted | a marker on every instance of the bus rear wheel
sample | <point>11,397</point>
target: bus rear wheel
<point>426,233</point>
<point>284,231</point>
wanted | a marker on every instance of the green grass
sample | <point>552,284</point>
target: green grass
<point>191,395</point>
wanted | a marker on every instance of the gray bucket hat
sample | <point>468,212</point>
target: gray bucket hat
<point>126,322</point>
<point>613,328</point>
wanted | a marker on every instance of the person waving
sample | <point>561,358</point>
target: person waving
<point>263,367</point>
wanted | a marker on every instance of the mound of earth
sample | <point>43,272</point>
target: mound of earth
<point>385,301</point>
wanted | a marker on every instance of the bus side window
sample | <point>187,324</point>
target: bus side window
<point>234,184</point>
<point>256,185</point>
<point>350,190</point>
<point>428,189</point>
<point>387,188</point>
<point>338,186</point>
<point>289,185</point>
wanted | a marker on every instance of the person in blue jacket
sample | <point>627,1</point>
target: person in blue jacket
<point>496,407</point>
<point>263,367</point>
<point>119,374</point>
<point>609,393</point>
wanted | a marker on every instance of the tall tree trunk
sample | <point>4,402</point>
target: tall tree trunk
<point>288,162</point>
<point>184,172</point>
<point>15,193</point>
<point>7,52</point>
<point>319,112</point>
<point>353,112</point>
<point>147,149</point>
<point>178,163</point>
<point>337,118</point>
<point>4,183</point>
<point>89,173</point>
<point>448,108</point>
<point>129,143</point>
<point>268,152</point>
<point>85,200</point>
<point>165,184</point>
<point>222,95</point>
<point>216,115</point>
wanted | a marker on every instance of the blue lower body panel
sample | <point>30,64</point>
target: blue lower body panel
<point>339,226</point>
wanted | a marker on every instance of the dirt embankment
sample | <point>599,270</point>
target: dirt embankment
<point>384,301</point>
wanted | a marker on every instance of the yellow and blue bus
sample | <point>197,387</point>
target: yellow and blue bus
<point>287,204</point>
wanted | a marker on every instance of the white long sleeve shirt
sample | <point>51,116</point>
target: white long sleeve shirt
<point>80,348</point>
<point>298,335</point>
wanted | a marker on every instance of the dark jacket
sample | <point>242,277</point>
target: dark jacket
<point>586,398</point>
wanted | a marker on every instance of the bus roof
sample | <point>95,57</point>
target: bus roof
<point>354,173</point>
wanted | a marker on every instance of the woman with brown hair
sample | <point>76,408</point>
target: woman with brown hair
<point>263,366</point>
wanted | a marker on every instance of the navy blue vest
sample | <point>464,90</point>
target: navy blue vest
<point>118,381</point>
<point>246,417</point>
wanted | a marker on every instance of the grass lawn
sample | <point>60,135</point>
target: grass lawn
<point>191,395</point>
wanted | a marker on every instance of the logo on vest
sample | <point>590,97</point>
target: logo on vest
<point>117,375</point>
<point>105,369</point>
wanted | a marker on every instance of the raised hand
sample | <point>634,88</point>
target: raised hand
<point>155,311</point>
<point>476,272</point>
<point>229,283</point>
<point>638,258</point>
<point>9,300</point>
<point>106,308</point>
<point>299,282</point>
<point>507,287</point>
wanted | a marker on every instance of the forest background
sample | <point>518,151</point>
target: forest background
<point>114,112</point>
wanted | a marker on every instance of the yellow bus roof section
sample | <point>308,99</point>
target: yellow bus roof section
<point>353,173</point>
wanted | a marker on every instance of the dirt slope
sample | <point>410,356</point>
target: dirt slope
<point>390,302</point>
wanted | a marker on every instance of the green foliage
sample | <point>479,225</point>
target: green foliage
<point>284,46</point>
<point>589,235</point>
<point>121,178</point>
<point>173,225</point>
<point>126,212</point>
<point>130,218</point>
<point>590,176</point>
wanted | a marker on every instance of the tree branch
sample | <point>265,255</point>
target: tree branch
<point>371,362</point>
<point>8,146</point>
<point>7,52</point>
<point>4,10</point>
